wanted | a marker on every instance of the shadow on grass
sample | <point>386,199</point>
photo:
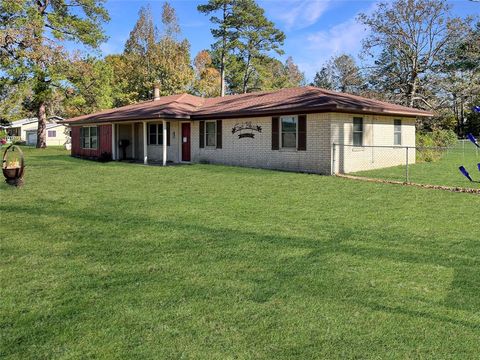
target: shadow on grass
<point>204,247</point>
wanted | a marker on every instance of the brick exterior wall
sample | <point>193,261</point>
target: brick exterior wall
<point>323,130</point>
<point>258,153</point>
<point>378,131</point>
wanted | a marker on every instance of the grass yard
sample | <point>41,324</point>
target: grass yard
<point>442,172</point>
<point>209,262</point>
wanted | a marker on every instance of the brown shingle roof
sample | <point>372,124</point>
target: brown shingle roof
<point>173,106</point>
<point>286,101</point>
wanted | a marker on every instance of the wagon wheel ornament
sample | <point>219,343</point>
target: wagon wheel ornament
<point>13,165</point>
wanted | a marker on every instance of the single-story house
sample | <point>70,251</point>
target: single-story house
<point>26,130</point>
<point>289,129</point>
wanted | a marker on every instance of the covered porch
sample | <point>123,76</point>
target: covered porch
<point>161,141</point>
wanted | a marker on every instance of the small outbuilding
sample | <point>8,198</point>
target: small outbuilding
<point>303,129</point>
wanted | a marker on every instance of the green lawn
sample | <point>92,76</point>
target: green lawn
<point>440,172</point>
<point>209,262</point>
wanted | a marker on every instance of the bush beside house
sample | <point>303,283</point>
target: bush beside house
<point>430,145</point>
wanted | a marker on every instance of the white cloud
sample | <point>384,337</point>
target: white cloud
<point>343,38</point>
<point>300,13</point>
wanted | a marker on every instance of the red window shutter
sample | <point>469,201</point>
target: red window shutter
<point>302,132</point>
<point>219,134</point>
<point>168,133</point>
<point>275,133</point>
<point>202,134</point>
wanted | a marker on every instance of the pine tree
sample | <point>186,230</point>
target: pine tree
<point>323,79</point>
<point>257,36</point>
<point>224,33</point>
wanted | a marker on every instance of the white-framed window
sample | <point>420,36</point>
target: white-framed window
<point>155,134</point>
<point>357,131</point>
<point>288,131</point>
<point>52,133</point>
<point>89,137</point>
<point>397,132</point>
<point>211,133</point>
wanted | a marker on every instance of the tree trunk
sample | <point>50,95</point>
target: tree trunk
<point>412,86</point>
<point>42,126</point>
<point>412,91</point>
<point>462,118</point>
<point>224,49</point>
<point>222,72</point>
<point>246,76</point>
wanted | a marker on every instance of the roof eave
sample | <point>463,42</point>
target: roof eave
<point>109,121</point>
<point>275,112</point>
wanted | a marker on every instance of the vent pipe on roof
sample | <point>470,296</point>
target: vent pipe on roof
<point>156,92</point>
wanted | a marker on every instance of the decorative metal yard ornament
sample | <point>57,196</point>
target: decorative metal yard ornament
<point>13,165</point>
<point>473,140</point>
<point>465,173</point>
<point>462,168</point>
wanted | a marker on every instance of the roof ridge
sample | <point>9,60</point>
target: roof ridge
<point>181,97</point>
<point>304,98</point>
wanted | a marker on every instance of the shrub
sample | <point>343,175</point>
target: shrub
<point>444,138</point>
<point>105,157</point>
<point>429,144</point>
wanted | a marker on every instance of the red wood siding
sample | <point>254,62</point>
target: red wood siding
<point>104,144</point>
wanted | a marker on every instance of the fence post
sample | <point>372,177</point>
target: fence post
<point>333,159</point>
<point>406,165</point>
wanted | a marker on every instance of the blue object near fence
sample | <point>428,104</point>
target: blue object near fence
<point>465,173</point>
<point>476,108</point>
<point>473,140</point>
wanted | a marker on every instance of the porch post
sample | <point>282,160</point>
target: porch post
<point>114,147</point>
<point>164,127</point>
<point>133,141</point>
<point>145,143</point>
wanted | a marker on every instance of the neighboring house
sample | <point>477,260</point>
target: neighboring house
<point>289,129</point>
<point>26,130</point>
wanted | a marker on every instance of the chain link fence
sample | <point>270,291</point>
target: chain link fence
<point>410,164</point>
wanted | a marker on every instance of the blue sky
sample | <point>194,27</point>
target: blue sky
<point>315,29</point>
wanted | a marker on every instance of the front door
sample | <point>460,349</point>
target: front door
<point>185,141</point>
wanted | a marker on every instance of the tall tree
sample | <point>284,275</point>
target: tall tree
<point>413,34</point>
<point>458,79</point>
<point>140,54</point>
<point>207,78</point>
<point>346,75</point>
<point>224,33</point>
<point>155,57</point>
<point>293,74</point>
<point>31,34</point>
<point>257,36</point>
<point>173,68</point>
<point>122,93</point>
<point>91,87</point>
<point>12,99</point>
<point>340,73</point>
<point>323,78</point>
<point>272,74</point>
